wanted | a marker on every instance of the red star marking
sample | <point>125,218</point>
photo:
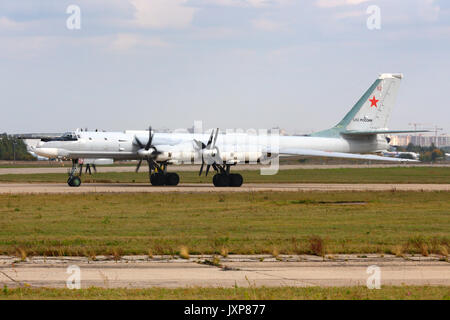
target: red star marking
<point>374,102</point>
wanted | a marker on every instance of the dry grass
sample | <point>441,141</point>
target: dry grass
<point>398,251</point>
<point>116,254</point>
<point>215,261</point>
<point>317,246</point>
<point>275,252</point>
<point>22,254</point>
<point>236,293</point>
<point>224,252</point>
<point>443,251</point>
<point>184,252</point>
<point>424,250</point>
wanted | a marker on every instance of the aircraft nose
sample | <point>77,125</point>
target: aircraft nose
<point>47,152</point>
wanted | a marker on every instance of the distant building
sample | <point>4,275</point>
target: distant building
<point>422,140</point>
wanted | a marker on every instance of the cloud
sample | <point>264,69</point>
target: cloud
<point>267,25</point>
<point>10,25</point>
<point>124,42</point>
<point>242,3</point>
<point>338,3</point>
<point>349,14</point>
<point>428,11</point>
<point>160,14</point>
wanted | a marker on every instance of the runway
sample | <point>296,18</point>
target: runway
<point>15,188</point>
<point>243,271</point>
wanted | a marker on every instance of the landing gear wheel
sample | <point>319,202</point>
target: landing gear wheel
<point>157,179</point>
<point>236,180</point>
<point>215,180</point>
<point>221,180</point>
<point>172,179</point>
<point>74,181</point>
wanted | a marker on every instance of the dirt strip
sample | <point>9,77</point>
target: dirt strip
<point>301,271</point>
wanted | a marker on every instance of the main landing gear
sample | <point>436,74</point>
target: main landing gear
<point>223,177</point>
<point>159,175</point>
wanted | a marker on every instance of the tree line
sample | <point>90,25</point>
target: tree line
<point>427,154</point>
<point>10,146</point>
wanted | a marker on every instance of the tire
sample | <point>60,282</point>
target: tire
<point>157,179</point>
<point>236,180</point>
<point>221,180</point>
<point>74,182</point>
<point>215,180</point>
<point>172,179</point>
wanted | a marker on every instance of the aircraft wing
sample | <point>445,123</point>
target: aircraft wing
<point>317,153</point>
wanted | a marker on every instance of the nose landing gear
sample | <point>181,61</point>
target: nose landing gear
<point>73,180</point>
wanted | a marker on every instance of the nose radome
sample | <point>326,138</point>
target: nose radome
<point>47,152</point>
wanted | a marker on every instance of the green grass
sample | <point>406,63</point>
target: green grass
<point>264,293</point>
<point>243,223</point>
<point>345,175</point>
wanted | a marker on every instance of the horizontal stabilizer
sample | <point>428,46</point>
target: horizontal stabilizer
<point>369,132</point>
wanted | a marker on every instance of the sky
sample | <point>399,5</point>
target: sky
<point>297,65</point>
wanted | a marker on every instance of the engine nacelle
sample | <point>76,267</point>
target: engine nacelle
<point>178,157</point>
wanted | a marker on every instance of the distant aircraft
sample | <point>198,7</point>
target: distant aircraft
<point>362,130</point>
<point>401,154</point>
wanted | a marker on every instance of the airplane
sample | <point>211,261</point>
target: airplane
<point>401,154</point>
<point>363,130</point>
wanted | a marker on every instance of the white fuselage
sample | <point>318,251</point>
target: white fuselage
<point>181,147</point>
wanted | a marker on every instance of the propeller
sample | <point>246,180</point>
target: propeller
<point>209,146</point>
<point>144,149</point>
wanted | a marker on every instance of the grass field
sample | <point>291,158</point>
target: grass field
<point>277,293</point>
<point>347,175</point>
<point>244,223</point>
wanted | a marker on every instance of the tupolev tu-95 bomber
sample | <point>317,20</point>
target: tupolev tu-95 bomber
<point>363,130</point>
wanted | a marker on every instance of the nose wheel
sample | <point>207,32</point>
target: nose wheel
<point>73,180</point>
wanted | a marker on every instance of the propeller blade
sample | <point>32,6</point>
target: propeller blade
<point>210,139</point>
<point>138,165</point>
<point>215,138</point>
<point>201,169</point>
<point>207,170</point>
<point>138,142</point>
<point>150,138</point>
<point>200,145</point>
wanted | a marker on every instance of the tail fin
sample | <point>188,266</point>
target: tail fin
<point>372,111</point>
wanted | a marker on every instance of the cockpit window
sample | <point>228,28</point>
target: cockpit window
<point>67,136</point>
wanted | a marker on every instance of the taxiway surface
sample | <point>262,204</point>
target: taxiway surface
<point>301,271</point>
<point>13,188</point>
